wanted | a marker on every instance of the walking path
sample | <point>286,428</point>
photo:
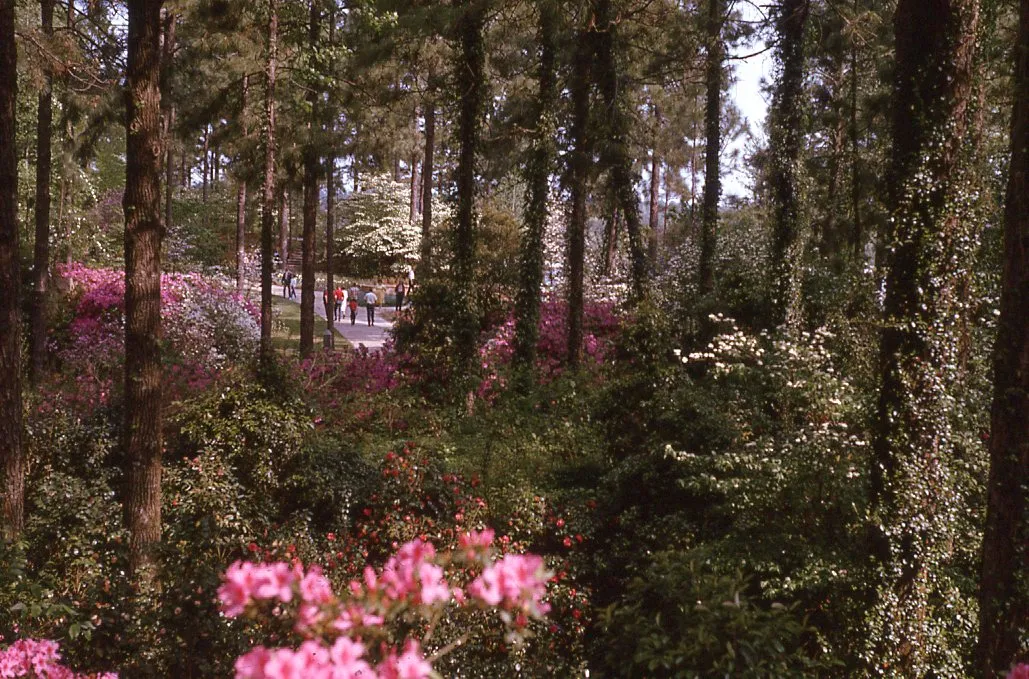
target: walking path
<point>372,337</point>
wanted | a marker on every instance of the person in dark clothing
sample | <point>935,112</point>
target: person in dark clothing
<point>400,290</point>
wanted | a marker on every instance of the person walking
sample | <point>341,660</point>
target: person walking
<point>327,301</point>
<point>341,298</point>
<point>293,280</point>
<point>287,277</point>
<point>370,300</point>
<point>399,291</point>
<point>353,310</point>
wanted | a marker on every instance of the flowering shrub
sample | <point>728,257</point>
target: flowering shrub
<point>416,584</point>
<point>205,324</point>
<point>1020,671</point>
<point>39,658</point>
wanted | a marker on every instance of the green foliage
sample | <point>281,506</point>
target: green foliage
<point>685,618</point>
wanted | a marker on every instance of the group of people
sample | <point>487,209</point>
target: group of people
<point>347,298</point>
<point>290,281</point>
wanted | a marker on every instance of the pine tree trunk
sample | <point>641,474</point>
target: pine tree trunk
<point>412,216</point>
<point>655,205</point>
<point>787,118</point>
<point>540,166</point>
<point>11,452</point>
<point>167,113</point>
<point>472,68</point>
<point>330,224</point>
<point>143,233</point>
<point>241,200</point>
<point>41,249</point>
<point>425,262</point>
<point>268,195</point>
<point>713,134</point>
<point>580,158</point>
<point>911,482</point>
<point>284,225</point>
<point>310,209</point>
<point>857,239</point>
<point>1004,590</point>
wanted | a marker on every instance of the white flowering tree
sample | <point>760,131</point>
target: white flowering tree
<point>377,235</point>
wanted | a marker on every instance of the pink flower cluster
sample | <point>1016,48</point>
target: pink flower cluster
<point>39,658</point>
<point>413,577</point>
<point>1020,671</point>
<point>345,659</point>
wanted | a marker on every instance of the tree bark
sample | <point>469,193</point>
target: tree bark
<point>911,484</point>
<point>540,165</point>
<point>655,204</point>
<point>787,118</point>
<point>268,195</point>
<point>10,281</point>
<point>167,112</point>
<point>41,249</point>
<point>412,216</point>
<point>206,167</point>
<point>241,198</point>
<point>330,224</point>
<point>1004,590</point>
<point>713,133</point>
<point>311,171</point>
<point>284,224</point>
<point>143,233</point>
<point>472,76</point>
<point>857,239</point>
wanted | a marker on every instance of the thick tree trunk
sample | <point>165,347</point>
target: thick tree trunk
<point>41,249</point>
<point>857,238</point>
<point>311,199</point>
<point>911,483</point>
<point>713,134</point>
<point>143,233</point>
<point>580,158</point>
<point>11,451</point>
<point>616,147</point>
<point>540,165</point>
<point>787,117</point>
<point>1004,591</point>
<point>425,263</point>
<point>268,195</point>
<point>473,78</point>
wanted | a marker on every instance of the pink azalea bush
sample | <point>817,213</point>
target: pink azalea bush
<point>39,658</point>
<point>348,635</point>
<point>1020,671</point>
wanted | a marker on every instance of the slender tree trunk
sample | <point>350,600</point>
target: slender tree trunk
<point>143,233</point>
<point>787,116</point>
<point>655,204</point>
<point>472,76</point>
<point>857,235</point>
<point>283,224</point>
<point>911,484</point>
<point>541,163</point>
<point>268,195</point>
<point>580,158</point>
<point>616,148</point>
<point>425,263</point>
<point>1004,591</point>
<point>41,249</point>
<point>206,166</point>
<point>713,133</point>
<point>412,216</point>
<point>312,165</point>
<point>330,224</point>
<point>241,198</point>
<point>167,112</point>
<point>11,452</point>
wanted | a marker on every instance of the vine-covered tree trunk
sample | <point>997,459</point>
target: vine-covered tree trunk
<point>471,70</point>
<point>41,248</point>
<point>617,156</point>
<point>268,193</point>
<point>910,480</point>
<point>787,139</point>
<point>1004,591</point>
<point>143,232</point>
<point>241,199</point>
<point>713,134</point>
<point>11,451</point>
<point>312,166</point>
<point>540,166</point>
<point>579,159</point>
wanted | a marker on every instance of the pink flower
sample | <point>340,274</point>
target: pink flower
<point>516,581</point>
<point>347,660</point>
<point>245,581</point>
<point>1019,671</point>
<point>410,664</point>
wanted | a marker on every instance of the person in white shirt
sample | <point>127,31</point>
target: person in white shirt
<point>370,300</point>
